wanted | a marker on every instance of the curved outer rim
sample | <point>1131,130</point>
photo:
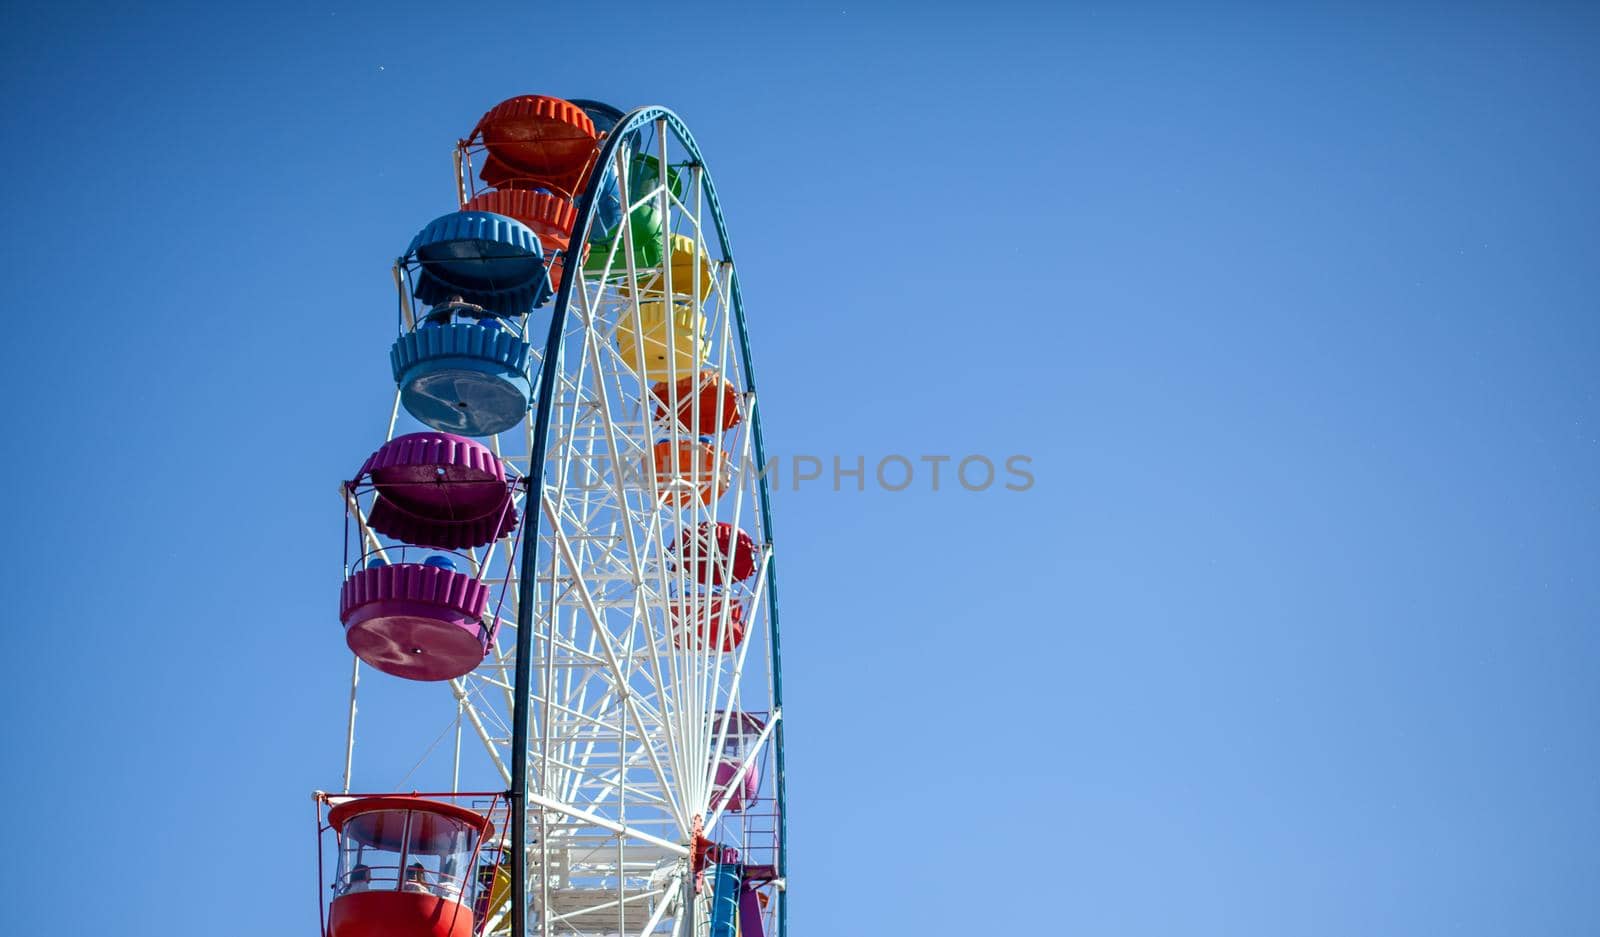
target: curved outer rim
<point>634,120</point>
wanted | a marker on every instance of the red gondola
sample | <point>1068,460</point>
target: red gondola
<point>407,867</point>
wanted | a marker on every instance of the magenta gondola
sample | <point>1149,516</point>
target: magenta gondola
<point>439,490</point>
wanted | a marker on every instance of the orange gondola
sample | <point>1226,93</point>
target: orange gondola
<point>717,400</point>
<point>535,137</point>
<point>690,469</point>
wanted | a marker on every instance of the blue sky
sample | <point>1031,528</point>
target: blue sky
<point>1294,308</point>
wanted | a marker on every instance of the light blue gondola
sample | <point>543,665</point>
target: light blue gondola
<point>468,377</point>
<point>489,260</point>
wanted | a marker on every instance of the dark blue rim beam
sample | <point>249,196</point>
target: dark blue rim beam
<point>634,121</point>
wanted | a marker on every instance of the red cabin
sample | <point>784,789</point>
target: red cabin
<point>408,867</point>
<point>698,620</point>
<point>717,554</point>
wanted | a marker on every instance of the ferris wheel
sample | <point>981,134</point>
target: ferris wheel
<point>574,542</point>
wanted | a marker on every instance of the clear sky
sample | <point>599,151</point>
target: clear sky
<point>1295,309</point>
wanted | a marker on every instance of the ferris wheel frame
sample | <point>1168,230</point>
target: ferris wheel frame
<point>663,120</point>
<point>704,753</point>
